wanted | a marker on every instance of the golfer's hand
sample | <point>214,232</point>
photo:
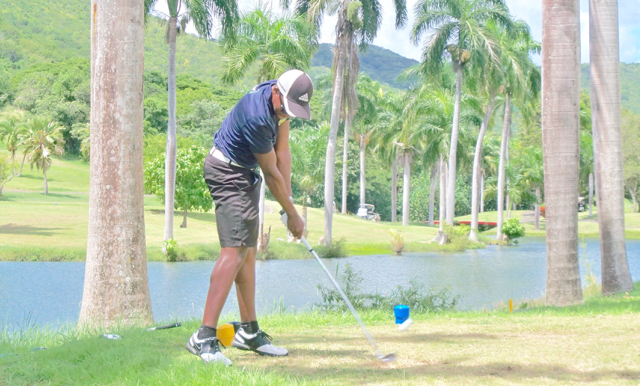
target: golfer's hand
<point>296,225</point>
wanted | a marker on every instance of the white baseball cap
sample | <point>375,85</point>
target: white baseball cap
<point>297,89</point>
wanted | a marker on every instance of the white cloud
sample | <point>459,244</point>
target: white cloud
<point>527,10</point>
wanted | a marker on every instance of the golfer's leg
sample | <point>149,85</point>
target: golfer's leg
<point>224,272</point>
<point>246,287</point>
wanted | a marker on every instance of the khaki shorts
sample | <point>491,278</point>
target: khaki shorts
<point>236,192</point>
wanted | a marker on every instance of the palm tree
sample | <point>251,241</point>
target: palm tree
<point>560,130</point>
<point>520,81</point>
<point>607,137</point>
<point>11,131</point>
<point>462,22</point>
<point>369,96</point>
<point>116,285</point>
<point>477,159</point>
<point>277,43</point>
<point>307,160</point>
<point>356,20</point>
<point>43,139</point>
<point>202,13</point>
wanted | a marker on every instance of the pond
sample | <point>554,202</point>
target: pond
<point>49,294</point>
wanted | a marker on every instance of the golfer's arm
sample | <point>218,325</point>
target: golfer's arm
<point>275,181</point>
<point>283,155</point>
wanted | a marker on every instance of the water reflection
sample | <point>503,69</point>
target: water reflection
<point>50,293</point>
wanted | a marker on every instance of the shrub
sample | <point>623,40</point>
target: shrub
<point>397,241</point>
<point>513,229</point>
<point>336,250</point>
<point>170,249</point>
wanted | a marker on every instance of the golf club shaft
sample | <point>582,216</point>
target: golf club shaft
<point>344,297</point>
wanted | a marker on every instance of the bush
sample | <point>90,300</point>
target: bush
<point>171,250</point>
<point>397,241</point>
<point>336,250</point>
<point>513,229</point>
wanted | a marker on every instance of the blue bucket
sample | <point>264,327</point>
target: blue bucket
<point>401,313</point>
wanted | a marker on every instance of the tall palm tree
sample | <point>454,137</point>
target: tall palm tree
<point>307,164</point>
<point>369,96</point>
<point>520,81</point>
<point>43,139</point>
<point>277,43</point>
<point>116,286</point>
<point>11,131</point>
<point>607,137</point>
<point>489,86</point>
<point>460,34</point>
<point>203,14</point>
<point>356,20</point>
<point>560,130</point>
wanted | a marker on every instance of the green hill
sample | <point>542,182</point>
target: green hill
<point>629,84</point>
<point>379,63</point>
<point>40,31</point>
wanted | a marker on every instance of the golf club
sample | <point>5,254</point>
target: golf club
<point>383,357</point>
<point>165,327</point>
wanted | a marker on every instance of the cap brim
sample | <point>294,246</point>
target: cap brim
<point>296,110</point>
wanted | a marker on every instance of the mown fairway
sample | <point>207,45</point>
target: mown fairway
<point>30,220</point>
<point>35,226</point>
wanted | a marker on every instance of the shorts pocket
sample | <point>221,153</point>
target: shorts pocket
<point>244,186</point>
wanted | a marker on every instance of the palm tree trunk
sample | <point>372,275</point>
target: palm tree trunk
<point>24,157</point>
<point>561,147</point>
<point>508,204</point>
<point>13,161</point>
<point>482,193</point>
<point>304,210</point>
<point>172,147</point>
<point>634,201</point>
<point>605,114</point>
<point>433,181</point>
<point>451,183</point>
<point>590,195</point>
<point>443,200</point>
<point>329,177</point>
<point>116,287</point>
<point>537,208</point>
<point>406,187</point>
<point>44,178</point>
<point>394,190</point>
<point>363,181</point>
<point>477,172</point>
<point>501,165</point>
<point>345,157</point>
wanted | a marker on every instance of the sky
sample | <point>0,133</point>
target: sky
<point>527,10</point>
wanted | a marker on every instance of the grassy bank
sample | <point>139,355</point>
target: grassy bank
<point>595,342</point>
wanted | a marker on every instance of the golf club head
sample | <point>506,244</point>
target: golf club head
<point>387,358</point>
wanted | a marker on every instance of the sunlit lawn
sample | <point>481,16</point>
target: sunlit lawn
<point>595,343</point>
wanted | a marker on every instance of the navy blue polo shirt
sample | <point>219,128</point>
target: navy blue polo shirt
<point>251,127</point>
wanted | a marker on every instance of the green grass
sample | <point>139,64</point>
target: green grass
<point>595,342</point>
<point>53,227</point>
<point>587,226</point>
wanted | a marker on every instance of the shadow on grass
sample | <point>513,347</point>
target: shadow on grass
<point>14,196</point>
<point>13,229</point>
<point>454,370</point>
<point>208,216</point>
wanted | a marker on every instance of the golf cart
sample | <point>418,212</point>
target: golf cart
<point>366,211</point>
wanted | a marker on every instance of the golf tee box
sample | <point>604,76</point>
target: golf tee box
<point>401,313</point>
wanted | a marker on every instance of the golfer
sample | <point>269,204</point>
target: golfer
<point>255,133</point>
